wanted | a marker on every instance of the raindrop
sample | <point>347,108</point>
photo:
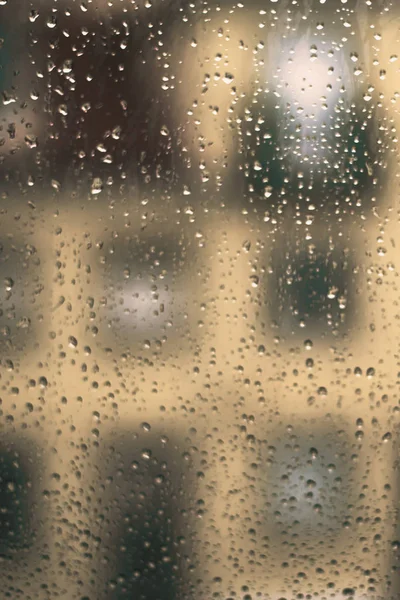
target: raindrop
<point>97,186</point>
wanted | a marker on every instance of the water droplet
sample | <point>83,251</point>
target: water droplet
<point>51,22</point>
<point>8,98</point>
<point>254,280</point>
<point>33,15</point>
<point>56,184</point>
<point>72,341</point>
<point>228,78</point>
<point>116,133</point>
<point>8,283</point>
<point>31,141</point>
<point>97,186</point>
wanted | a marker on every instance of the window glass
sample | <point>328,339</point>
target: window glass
<point>199,299</point>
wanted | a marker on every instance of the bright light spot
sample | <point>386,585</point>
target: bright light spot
<point>305,73</point>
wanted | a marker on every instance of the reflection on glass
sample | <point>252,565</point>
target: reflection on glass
<point>103,84</point>
<point>21,285</point>
<point>307,482</point>
<point>147,489</point>
<point>311,290</point>
<point>17,474</point>
<point>312,130</point>
<point>145,295</point>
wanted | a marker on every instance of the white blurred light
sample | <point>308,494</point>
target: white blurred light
<point>305,74</point>
<point>144,307</point>
<point>143,304</point>
<point>315,86</point>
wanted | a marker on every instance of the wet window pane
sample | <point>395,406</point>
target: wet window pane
<point>199,300</point>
